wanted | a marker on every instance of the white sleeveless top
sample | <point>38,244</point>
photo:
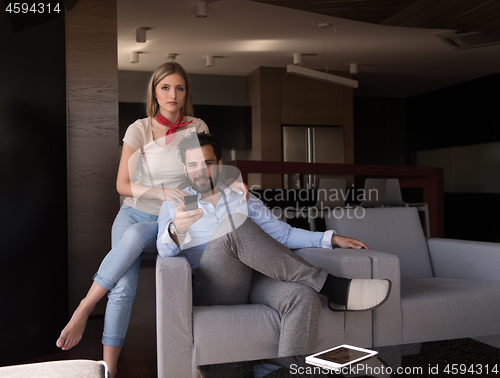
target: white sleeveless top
<point>158,163</point>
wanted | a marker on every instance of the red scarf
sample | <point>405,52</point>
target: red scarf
<point>173,126</point>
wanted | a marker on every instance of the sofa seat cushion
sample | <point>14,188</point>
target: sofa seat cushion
<point>446,308</point>
<point>229,333</point>
<point>226,333</point>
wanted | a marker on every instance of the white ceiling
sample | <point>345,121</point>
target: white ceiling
<point>393,61</point>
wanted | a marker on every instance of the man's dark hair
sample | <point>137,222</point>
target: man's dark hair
<point>197,140</point>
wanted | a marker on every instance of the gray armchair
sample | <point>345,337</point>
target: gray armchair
<point>446,289</point>
<point>189,336</point>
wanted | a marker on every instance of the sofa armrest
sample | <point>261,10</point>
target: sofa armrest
<point>387,319</point>
<point>174,307</point>
<point>354,263</point>
<point>339,262</point>
<point>464,259</point>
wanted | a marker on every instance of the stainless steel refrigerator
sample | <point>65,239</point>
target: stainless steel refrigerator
<point>311,144</point>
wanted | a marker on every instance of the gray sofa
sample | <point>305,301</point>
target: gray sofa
<point>441,289</point>
<point>444,288</point>
<point>189,336</point>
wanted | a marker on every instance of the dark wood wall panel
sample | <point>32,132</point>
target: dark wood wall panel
<point>253,99</point>
<point>263,94</point>
<point>348,123</point>
<point>310,102</point>
<point>93,145</point>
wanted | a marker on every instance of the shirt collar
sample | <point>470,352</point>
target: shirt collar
<point>225,189</point>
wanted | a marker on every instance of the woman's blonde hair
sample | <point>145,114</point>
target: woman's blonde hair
<point>152,107</point>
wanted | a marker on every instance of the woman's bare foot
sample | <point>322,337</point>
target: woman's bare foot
<point>73,332</point>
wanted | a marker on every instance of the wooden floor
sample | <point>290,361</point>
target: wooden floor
<point>138,357</point>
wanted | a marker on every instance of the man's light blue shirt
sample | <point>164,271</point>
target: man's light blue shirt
<point>200,232</point>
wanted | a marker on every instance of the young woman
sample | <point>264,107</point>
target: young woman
<point>149,173</point>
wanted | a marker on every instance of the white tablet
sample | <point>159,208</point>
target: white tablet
<point>339,357</point>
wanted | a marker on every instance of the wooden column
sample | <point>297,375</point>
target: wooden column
<point>263,93</point>
<point>93,146</point>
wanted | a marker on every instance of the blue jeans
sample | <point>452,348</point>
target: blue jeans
<point>133,233</point>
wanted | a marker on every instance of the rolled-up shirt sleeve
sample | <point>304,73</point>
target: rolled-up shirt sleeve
<point>327,239</point>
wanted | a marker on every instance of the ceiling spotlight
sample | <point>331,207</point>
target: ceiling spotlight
<point>353,68</point>
<point>297,59</point>
<point>171,57</point>
<point>201,9</point>
<point>210,60</point>
<point>140,35</point>
<point>134,57</point>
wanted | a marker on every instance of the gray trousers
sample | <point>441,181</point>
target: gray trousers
<point>243,264</point>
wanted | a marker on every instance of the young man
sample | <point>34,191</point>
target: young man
<point>240,253</point>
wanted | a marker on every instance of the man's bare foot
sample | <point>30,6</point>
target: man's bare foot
<point>73,332</point>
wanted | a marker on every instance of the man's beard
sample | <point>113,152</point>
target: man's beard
<point>208,185</point>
